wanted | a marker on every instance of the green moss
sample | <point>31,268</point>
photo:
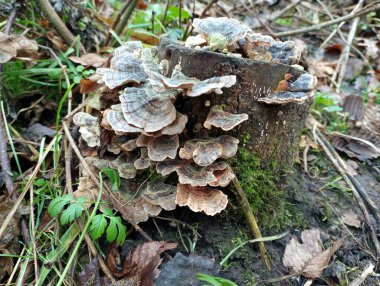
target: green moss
<point>261,187</point>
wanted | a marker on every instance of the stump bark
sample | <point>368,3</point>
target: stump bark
<point>272,131</point>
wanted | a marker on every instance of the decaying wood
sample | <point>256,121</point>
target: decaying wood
<point>273,130</point>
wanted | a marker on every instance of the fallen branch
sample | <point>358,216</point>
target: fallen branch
<point>116,21</point>
<point>251,221</point>
<point>343,60</point>
<point>368,9</point>
<point>359,280</point>
<point>56,21</point>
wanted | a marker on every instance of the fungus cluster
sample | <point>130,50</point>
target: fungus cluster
<point>231,37</point>
<point>142,130</point>
<point>148,133</point>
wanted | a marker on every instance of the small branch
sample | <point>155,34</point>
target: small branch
<point>56,21</point>
<point>117,19</point>
<point>251,221</point>
<point>346,52</point>
<point>209,5</point>
<point>4,160</point>
<point>368,9</point>
<point>359,280</point>
<point>124,20</point>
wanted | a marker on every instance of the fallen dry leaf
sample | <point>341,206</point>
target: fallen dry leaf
<point>308,258</point>
<point>89,276</point>
<point>16,46</point>
<point>9,243</point>
<point>356,147</point>
<point>140,268</point>
<point>89,59</point>
<point>350,218</point>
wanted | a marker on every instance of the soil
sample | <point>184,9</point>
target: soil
<point>316,208</point>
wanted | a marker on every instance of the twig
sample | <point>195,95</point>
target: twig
<point>32,228</point>
<point>117,19</point>
<point>363,276</point>
<point>209,5</point>
<point>26,188</point>
<point>373,208</point>
<point>95,253</point>
<point>337,30</point>
<point>108,192</point>
<point>56,21</point>
<point>67,147</point>
<point>368,9</point>
<point>322,142</point>
<point>165,12</point>
<point>251,221</point>
<point>269,238</point>
<point>346,51</point>
<point>4,160</point>
<point>278,14</point>
<point>5,165</point>
<point>124,20</point>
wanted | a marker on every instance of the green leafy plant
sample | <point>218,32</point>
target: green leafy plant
<point>114,178</point>
<point>215,281</point>
<point>114,231</point>
<point>327,106</point>
<point>67,207</point>
<point>152,20</point>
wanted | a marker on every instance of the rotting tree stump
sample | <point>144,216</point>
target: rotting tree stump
<point>272,131</point>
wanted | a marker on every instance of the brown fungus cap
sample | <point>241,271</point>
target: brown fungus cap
<point>206,199</point>
<point>147,109</point>
<point>143,162</point>
<point>125,169</point>
<point>159,148</point>
<point>222,119</point>
<point>287,97</point>
<point>116,120</point>
<point>88,128</point>
<point>124,68</point>
<point>206,151</point>
<point>191,87</point>
<point>232,29</point>
<point>161,194</point>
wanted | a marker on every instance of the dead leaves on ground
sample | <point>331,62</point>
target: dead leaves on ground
<point>16,46</point>
<point>350,218</point>
<point>9,240</point>
<point>140,267</point>
<point>308,258</point>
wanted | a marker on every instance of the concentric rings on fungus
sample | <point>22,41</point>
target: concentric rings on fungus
<point>206,199</point>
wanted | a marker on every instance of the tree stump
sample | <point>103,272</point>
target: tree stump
<point>272,131</point>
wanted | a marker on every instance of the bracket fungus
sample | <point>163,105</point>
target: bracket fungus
<point>297,91</point>
<point>206,151</point>
<point>226,121</point>
<point>159,148</point>
<point>153,116</point>
<point>147,109</point>
<point>88,128</point>
<point>192,87</point>
<point>220,32</point>
<point>161,194</point>
<point>206,199</point>
<point>125,169</point>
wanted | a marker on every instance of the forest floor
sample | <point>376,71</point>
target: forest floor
<point>332,191</point>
